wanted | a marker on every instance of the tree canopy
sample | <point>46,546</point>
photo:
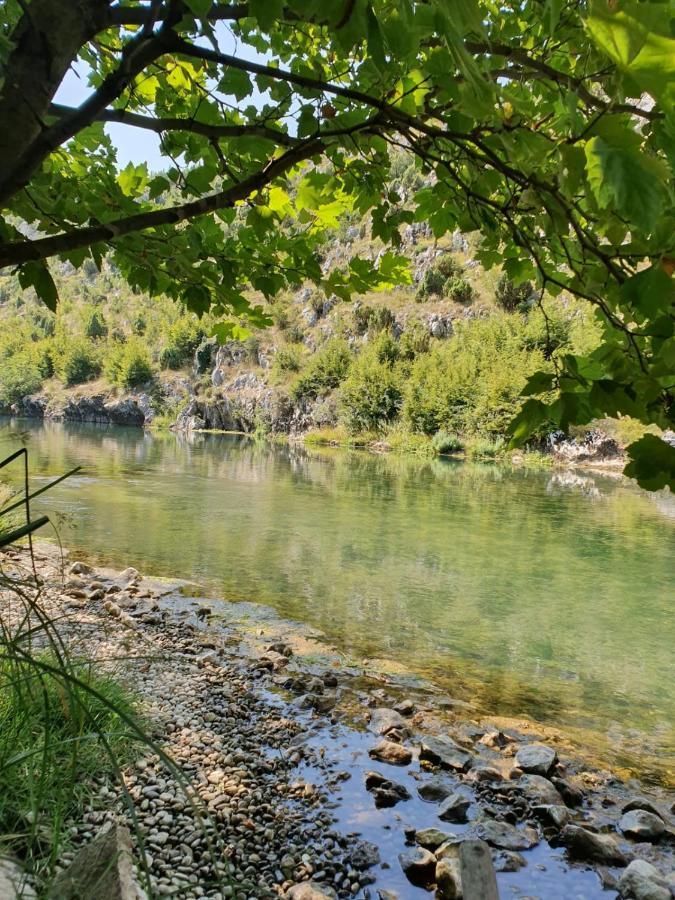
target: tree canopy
<point>547,125</point>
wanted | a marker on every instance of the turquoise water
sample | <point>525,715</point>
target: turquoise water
<point>538,594</point>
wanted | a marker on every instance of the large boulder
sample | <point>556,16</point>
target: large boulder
<point>589,846</point>
<point>643,881</point>
<point>419,866</point>
<point>103,869</point>
<point>444,752</point>
<point>536,759</point>
<point>642,825</point>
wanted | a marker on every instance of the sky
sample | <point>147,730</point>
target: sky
<point>137,145</point>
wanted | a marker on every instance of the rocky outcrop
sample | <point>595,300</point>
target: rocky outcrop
<point>133,409</point>
<point>594,447</point>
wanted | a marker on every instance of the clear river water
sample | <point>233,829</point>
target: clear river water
<point>539,594</point>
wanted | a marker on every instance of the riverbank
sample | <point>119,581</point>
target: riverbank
<point>313,771</point>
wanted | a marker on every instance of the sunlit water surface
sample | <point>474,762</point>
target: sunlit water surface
<point>540,594</point>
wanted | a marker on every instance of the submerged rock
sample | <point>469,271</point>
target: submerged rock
<point>443,751</point>
<point>642,825</point>
<point>536,759</point>
<point>384,720</point>
<point>419,866</point>
<point>505,836</point>
<point>587,845</point>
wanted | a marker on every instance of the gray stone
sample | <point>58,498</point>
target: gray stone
<point>386,793</point>
<point>536,759</point>
<point>508,861</point>
<point>587,845</point>
<point>102,869</point>
<point>389,752</point>
<point>419,866</point>
<point>642,881</point>
<point>558,816</point>
<point>642,825</point>
<point>443,751</point>
<point>384,720</point>
<point>448,879</point>
<point>365,855</point>
<point>643,803</point>
<point>454,808</point>
<point>539,790</point>
<point>310,890</point>
<point>432,838</point>
<point>80,568</point>
<point>13,881</point>
<point>435,789</point>
<point>505,836</point>
<point>405,707</point>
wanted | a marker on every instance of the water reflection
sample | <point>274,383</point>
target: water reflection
<point>546,594</point>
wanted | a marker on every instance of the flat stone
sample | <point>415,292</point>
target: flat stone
<point>419,866</point>
<point>505,836</point>
<point>389,752</point>
<point>435,789</point>
<point>536,759</point>
<point>444,752</point>
<point>642,825</point>
<point>643,881</point>
<point>432,838</point>
<point>454,808</point>
<point>539,790</point>
<point>383,720</point>
<point>587,845</point>
<point>103,868</point>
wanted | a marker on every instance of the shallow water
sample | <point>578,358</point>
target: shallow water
<point>539,594</point>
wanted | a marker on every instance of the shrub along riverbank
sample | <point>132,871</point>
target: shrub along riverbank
<point>438,367</point>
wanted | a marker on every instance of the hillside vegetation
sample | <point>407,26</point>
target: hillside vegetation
<point>438,365</point>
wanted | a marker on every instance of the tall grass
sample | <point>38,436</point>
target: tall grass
<point>64,724</point>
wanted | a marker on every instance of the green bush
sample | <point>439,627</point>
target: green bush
<point>372,318</point>
<point>94,325</point>
<point>287,359</point>
<point>325,370</point>
<point>20,375</point>
<point>183,338</point>
<point>458,289</point>
<point>414,341</point>
<point>129,365</point>
<point>372,393</point>
<point>485,448</point>
<point>435,278</point>
<point>446,442</point>
<point>471,383</point>
<point>76,361</point>
<point>511,296</point>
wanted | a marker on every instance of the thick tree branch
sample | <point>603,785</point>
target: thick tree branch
<point>137,54</point>
<point>45,41</point>
<point>18,252</point>
<point>159,125</point>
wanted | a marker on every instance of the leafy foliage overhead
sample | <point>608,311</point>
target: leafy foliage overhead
<point>548,126</point>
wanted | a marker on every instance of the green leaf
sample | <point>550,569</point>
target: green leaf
<point>532,414</point>
<point>538,383</point>
<point>199,7</point>
<point>35,274</point>
<point>652,463</point>
<point>266,11</point>
<point>133,179</point>
<point>624,180</point>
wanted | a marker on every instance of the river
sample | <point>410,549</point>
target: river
<point>540,594</point>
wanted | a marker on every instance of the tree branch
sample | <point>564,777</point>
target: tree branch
<point>158,125</point>
<point>18,252</point>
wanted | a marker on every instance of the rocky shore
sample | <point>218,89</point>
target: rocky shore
<point>298,777</point>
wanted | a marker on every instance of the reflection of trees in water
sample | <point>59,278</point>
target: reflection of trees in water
<point>542,598</point>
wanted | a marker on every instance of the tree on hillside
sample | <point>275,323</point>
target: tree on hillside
<point>548,125</point>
